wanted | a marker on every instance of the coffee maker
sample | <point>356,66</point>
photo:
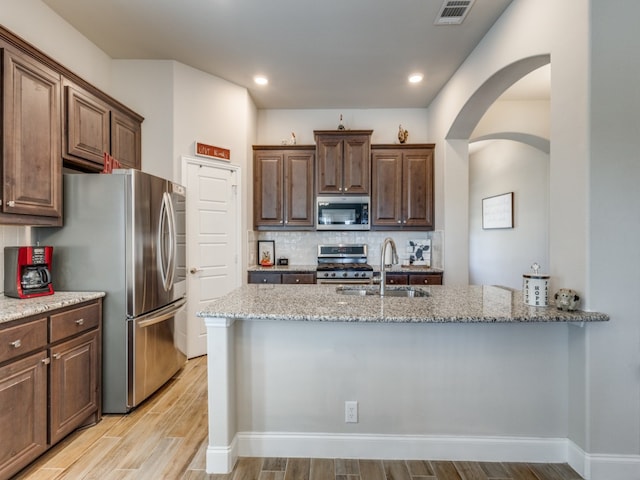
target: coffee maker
<point>27,271</point>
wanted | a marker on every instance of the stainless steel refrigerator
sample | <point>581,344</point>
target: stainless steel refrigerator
<point>124,234</point>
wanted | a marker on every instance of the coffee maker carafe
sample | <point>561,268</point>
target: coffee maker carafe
<point>27,271</point>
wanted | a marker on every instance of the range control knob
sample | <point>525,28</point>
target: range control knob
<point>345,274</point>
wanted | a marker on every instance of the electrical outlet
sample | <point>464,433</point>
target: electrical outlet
<point>351,411</point>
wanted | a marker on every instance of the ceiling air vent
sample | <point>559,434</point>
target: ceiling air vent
<point>453,12</point>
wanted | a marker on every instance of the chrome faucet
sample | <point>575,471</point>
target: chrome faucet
<point>394,260</point>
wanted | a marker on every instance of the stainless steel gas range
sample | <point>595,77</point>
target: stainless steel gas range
<point>343,264</point>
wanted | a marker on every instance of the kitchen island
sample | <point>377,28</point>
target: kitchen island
<point>464,372</point>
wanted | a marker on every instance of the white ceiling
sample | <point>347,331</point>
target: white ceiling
<point>317,54</point>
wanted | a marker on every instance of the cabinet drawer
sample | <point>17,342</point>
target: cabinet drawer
<point>21,339</point>
<point>425,279</point>
<point>295,278</point>
<point>397,279</point>
<point>74,321</point>
<point>260,277</point>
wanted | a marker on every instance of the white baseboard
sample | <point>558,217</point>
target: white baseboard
<point>603,467</point>
<point>221,459</point>
<point>414,447</point>
<point>424,447</point>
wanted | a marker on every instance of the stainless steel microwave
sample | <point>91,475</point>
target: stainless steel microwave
<point>342,212</point>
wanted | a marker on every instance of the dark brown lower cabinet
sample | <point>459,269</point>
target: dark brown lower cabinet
<point>73,379</point>
<point>23,416</point>
<point>434,278</point>
<point>59,354</point>
<point>280,277</point>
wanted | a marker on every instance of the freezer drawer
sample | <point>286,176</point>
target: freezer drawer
<point>153,357</point>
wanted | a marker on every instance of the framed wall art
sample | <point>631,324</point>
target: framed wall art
<point>266,253</point>
<point>497,211</point>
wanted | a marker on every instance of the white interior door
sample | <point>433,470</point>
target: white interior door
<point>213,246</point>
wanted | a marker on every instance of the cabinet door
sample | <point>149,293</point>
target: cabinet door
<point>23,416</point>
<point>386,190</point>
<point>417,207</point>
<point>357,164</point>
<point>268,188</point>
<point>126,140</point>
<point>298,189</point>
<point>32,170</point>
<point>73,384</point>
<point>330,164</point>
<point>87,129</point>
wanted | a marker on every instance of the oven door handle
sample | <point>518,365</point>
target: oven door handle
<point>161,315</point>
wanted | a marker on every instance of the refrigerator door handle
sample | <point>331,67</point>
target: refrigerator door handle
<point>161,315</point>
<point>167,242</point>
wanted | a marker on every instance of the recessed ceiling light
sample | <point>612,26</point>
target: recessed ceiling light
<point>261,79</point>
<point>415,77</point>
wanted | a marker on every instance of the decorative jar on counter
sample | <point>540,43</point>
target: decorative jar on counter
<point>535,287</point>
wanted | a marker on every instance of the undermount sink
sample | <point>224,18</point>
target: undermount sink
<point>405,292</point>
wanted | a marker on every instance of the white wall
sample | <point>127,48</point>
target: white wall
<point>613,350</point>
<point>501,256</point>
<point>147,87</point>
<point>500,166</point>
<point>593,201</point>
<point>39,25</point>
<point>277,125</point>
<point>424,379</point>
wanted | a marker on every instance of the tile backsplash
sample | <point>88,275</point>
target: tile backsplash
<point>10,236</point>
<point>301,247</point>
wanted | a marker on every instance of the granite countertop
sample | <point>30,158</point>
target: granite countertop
<point>17,308</point>
<point>312,269</point>
<point>284,268</point>
<point>444,304</point>
<point>409,269</point>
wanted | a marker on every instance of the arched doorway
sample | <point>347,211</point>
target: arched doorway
<point>460,223</point>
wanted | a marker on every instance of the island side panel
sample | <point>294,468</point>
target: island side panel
<point>221,451</point>
<point>450,381</point>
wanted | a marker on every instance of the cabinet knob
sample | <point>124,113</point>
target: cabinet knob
<point>264,280</point>
<point>16,344</point>
<point>346,188</point>
<point>80,321</point>
<point>56,356</point>
<point>11,203</point>
<point>404,221</point>
<point>46,361</point>
<point>297,280</point>
<point>399,221</point>
<point>194,270</point>
<point>426,281</point>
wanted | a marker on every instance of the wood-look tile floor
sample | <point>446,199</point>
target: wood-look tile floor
<point>165,439</point>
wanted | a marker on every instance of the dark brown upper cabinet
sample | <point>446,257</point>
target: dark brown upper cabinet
<point>31,160</point>
<point>93,127</point>
<point>283,196</point>
<point>402,187</point>
<point>343,161</point>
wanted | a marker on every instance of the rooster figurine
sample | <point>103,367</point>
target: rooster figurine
<point>402,134</point>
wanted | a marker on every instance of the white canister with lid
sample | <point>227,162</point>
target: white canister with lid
<point>535,287</point>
